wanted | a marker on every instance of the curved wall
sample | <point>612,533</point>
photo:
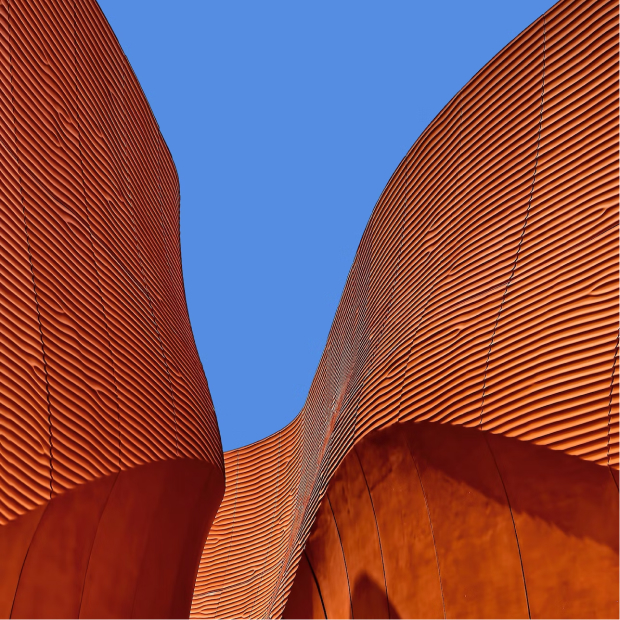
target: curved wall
<point>484,293</point>
<point>427,520</point>
<point>100,373</point>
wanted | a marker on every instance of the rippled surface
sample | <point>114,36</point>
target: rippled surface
<point>484,293</point>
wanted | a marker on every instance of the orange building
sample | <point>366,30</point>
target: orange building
<point>457,455</point>
<point>111,466</point>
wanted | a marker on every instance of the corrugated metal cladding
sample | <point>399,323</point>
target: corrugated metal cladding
<point>483,297</point>
<point>484,293</point>
<point>111,465</point>
<point>100,372</point>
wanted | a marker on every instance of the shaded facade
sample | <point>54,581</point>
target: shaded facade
<point>457,454</point>
<point>483,297</point>
<point>106,414</point>
<point>430,521</point>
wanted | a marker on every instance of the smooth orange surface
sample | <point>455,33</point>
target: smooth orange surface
<point>306,600</point>
<point>324,542</point>
<point>545,544</point>
<point>484,294</point>
<point>402,517</point>
<point>126,545</point>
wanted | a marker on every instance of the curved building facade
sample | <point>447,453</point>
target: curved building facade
<point>111,464</point>
<point>425,520</point>
<point>457,455</point>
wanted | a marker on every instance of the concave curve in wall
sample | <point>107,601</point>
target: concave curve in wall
<point>101,385</point>
<point>484,294</point>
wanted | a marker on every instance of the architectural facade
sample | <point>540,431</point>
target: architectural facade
<point>483,295</point>
<point>457,454</point>
<point>111,466</point>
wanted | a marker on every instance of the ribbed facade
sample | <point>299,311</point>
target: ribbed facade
<point>484,293</point>
<point>99,367</point>
<point>462,426</point>
<point>111,465</point>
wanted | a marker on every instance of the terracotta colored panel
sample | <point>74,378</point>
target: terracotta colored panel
<point>100,79</point>
<point>562,302</point>
<point>472,525</point>
<point>122,538</point>
<point>43,86</point>
<point>565,526</point>
<point>52,578</point>
<point>145,411</point>
<point>413,585</point>
<point>354,515</point>
<point>566,515</point>
<point>87,388</point>
<point>51,553</point>
<point>484,294</point>
<point>325,555</point>
<point>182,520</point>
<point>15,540</point>
<point>83,407</point>
<point>6,108</point>
<point>305,598</point>
<point>25,459</point>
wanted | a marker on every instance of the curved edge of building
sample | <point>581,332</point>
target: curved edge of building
<point>111,465</point>
<point>425,520</point>
<point>484,294</point>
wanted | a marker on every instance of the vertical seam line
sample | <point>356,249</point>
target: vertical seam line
<point>611,389</point>
<point>21,570</point>
<point>514,525</point>
<point>316,581</point>
<point>430,522</point>
<point>90,236</point>
<point>34,285</point>
<point>344,557</point>
<point>387,598</point>
<point>90,554</point>
<point>527,213</point>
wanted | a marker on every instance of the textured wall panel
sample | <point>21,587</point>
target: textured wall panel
<point>438,521</point>
<point>484,293</point>
<point>99,369</point>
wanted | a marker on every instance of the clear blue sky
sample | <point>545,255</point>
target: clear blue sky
<point>285,121</point>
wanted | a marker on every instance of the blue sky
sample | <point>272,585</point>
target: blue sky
<point>285,121</point>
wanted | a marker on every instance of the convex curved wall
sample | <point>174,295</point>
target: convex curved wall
<point>426,520</point>
<point>474,355</point>
<point>105,409</point>
<point>484,294</point>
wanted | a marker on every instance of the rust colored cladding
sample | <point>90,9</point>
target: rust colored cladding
<point>457,454</point>
<point>443,521</point>
<point>483,297</point>
<point>127,544</point>
<point>111,466</point>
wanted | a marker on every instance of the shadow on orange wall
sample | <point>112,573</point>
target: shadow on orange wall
<point>127,545</point>
<point>431,520</point>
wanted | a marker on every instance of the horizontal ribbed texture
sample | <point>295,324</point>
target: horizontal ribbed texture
<point>484,293</point>
<point>99,367</point>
